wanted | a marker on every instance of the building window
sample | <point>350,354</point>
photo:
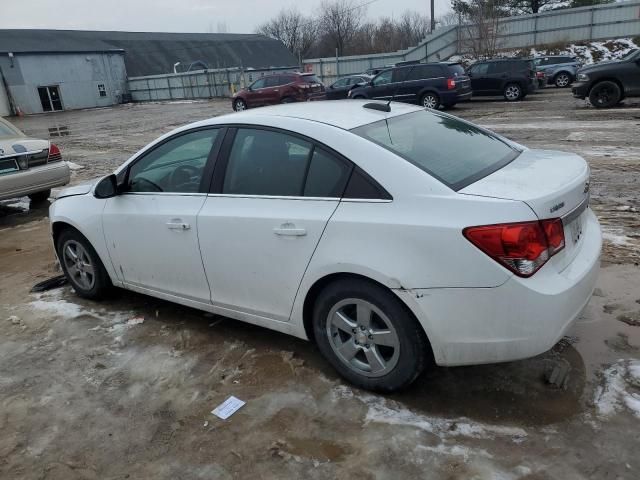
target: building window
<point>101,90</point>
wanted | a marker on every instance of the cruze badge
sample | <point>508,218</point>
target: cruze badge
<point>557,207</point>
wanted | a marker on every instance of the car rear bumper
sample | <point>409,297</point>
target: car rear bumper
<point>580,90</point>
<point>519,319</point>
<point>315,96</point>
<point>34,180</point>
<point>465,96</point>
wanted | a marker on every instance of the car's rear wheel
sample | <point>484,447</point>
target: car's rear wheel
<point>430,100</point>
<point>40,197</point>
<point>369,336</point>
<point>239,105</point>
<point>605,94</point>
<point>82,265</point>
<point>512,92</point>
<point>563,80</point>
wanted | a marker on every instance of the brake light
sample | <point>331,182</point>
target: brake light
<point>451,83</point>
<point>54,153</point>
<point>521,247</point>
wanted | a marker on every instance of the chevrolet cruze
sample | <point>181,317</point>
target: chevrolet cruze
<point>390,235</point>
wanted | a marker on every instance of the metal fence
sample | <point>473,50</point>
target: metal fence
<point>599,22</point>
<point>559,26</point>
<point>198,84</point>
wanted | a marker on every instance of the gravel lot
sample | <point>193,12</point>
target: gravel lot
<point>124,389</point>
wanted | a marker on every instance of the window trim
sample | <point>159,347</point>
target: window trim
<point>224,154</point>
<point>207,172</point>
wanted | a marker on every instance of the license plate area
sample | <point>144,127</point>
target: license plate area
<point>575,230</point>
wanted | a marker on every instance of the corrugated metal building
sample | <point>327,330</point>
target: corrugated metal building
<point>49,70</point>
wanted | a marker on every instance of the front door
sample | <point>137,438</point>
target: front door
<point>479,78</point>
<point>151,228</point>
<point>382,87</point>
<point>50,98</point>
<point>259,231</point>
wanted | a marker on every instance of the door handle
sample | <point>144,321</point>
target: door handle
<point>178,225</point>
<point>289,229</point>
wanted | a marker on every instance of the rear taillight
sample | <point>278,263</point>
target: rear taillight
<point>54,153</point>
<point>521,247</point>
<point>451,83</point>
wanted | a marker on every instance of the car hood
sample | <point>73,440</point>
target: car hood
<point>597,66</point>
<point>80,189</point>
<point>10,146</point>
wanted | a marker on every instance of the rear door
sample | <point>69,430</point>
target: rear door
<point>417,79</point>
<point>479,78</point>
<point>273,194</point>
<point>497,76</point>
<point>339,89</point>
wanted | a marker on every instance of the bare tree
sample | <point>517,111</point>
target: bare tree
<point>481,26</point>
<point>412,28</point>
<point>339,21</point>
<point>297,32</point>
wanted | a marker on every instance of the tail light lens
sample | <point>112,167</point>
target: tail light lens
<point>451,83</point>
<point>54,153</point>
<point>521,247</point>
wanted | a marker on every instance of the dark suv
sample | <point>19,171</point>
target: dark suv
<point>608,83</point>
<point>281,88</point>
<point>559,70</point>
<point>513,78</point>
<point>429,84</point>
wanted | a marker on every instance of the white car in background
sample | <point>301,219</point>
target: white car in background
<point>389,235</point>
<point>29,166</point>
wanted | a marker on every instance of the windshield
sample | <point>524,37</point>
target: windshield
<point>310,79</point>
<point>455,152</point>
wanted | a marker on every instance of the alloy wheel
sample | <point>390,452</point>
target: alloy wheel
<point>78,265</point>
<point>562,80</point>
<point>240,105</point>
<point>429,101</point>
<point>363,337</point>
<point>512,92</point>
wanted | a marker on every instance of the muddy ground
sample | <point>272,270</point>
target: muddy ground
<point>124,388</point>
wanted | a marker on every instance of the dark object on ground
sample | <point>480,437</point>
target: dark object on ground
<point>49,284</point>
<point>608,83</point>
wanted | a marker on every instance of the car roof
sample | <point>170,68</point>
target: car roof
<point>344,114</point>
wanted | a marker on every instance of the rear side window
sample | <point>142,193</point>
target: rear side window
<point>327,175</point>
<point>420,72</point>
<point>310,79</point>
<point>273,81</point>
<point>457,70</point>
<point>455,152</point>
<point>479,69</point>
<point>499,67</point>
<point>285,79</point>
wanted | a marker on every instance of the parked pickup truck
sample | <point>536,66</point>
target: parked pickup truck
<point>29,166</point>
<point>606,84</point>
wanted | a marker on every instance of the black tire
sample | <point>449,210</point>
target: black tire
<point>512,92</point>
<point>563,80</point>
<point>239,105</point>
<point>605,94</point>
<point>430,100</point>
<point>287,100</point>
<point>413,348</point>
<point>40,197</point>
<point>101,286</point>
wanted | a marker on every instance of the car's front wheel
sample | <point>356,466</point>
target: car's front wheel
<point>512,92</point>
<point>82,265</point>
<point>369,336</point>
<point>239,105</point>
<point>563,80</point>
<point>605,95</point>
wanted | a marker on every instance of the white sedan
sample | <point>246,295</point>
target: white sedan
<point>391,236</point>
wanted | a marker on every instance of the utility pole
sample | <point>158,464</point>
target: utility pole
<point>433,16</point>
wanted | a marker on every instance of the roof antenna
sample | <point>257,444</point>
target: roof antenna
<point>386,107</point>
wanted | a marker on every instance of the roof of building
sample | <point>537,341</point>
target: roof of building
<point>151,53</point>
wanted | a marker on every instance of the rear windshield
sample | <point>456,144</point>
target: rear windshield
<point>310,79</point>
<point>457,69</point>
<point>7,131</point>
<point>455,152</point>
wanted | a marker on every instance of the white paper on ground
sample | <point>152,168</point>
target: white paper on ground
<point>227,408</point>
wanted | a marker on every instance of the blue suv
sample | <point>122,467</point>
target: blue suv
<point>431,85</point>
<point>559,70</point>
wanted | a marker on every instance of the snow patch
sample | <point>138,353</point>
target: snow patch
<point>615,236</point>
<point>74,166</point>
<point>620,389</point>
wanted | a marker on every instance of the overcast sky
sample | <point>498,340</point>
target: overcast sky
<point>239,16</point>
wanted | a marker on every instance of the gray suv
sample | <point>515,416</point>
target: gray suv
<point>559,70</point>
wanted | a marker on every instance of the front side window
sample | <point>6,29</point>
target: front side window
<point>176,166</point>
<point>258,84</point>
<point>264,162</point>
<point>479,69</point>
<point>383,78</point>
<point>455,152</point>
<point>341,83</point>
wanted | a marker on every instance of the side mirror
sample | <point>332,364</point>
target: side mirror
<point>107,187</point>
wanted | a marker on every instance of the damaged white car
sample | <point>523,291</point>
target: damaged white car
<point>390,235</point>
<point>29,166</point>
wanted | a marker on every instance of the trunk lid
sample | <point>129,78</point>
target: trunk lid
<point>553,184</point>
